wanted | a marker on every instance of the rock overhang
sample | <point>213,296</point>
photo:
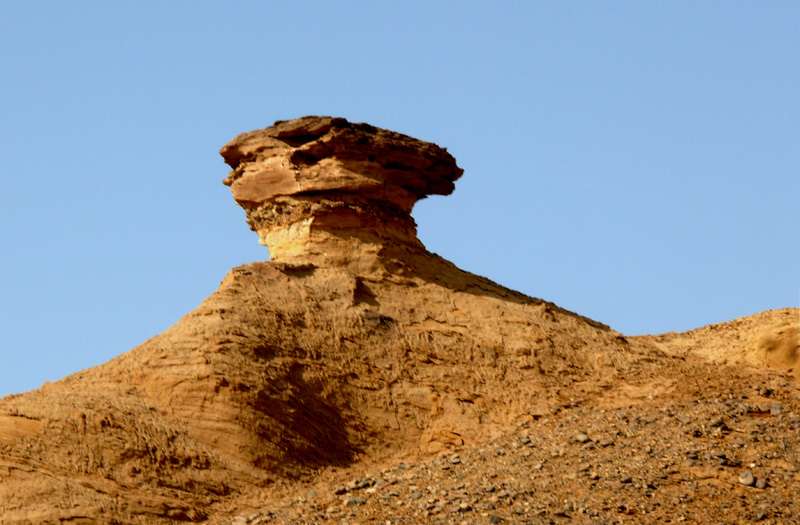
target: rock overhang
<point>302,180</point>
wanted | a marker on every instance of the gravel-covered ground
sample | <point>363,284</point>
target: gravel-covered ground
<point>730,456</point>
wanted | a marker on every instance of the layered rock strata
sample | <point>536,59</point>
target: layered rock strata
<point>326,191</point>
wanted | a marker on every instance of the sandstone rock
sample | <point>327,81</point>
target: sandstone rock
<point>354,341</point>
<point>326,191</point>
<point>354,348</point>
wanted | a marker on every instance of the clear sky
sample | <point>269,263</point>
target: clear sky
<point>635,162</point>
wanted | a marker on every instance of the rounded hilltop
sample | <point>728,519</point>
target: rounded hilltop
<point>326,191</point>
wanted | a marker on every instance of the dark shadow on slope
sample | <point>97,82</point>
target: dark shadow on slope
<point>309,430</point>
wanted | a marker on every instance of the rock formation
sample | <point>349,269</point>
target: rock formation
<point>353,346</point>
<point>327,192</point>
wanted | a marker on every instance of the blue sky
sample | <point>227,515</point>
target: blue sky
<point>636,162</point>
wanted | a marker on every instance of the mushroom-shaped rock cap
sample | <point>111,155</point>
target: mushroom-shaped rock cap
<point>325,154</point>
<point>308,182</point>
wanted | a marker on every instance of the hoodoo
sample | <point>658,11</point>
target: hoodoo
<point>328,192</point>
<point>354,341</point>
<point>355,348</point>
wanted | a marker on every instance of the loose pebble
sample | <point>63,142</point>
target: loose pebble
<point>747,479</point>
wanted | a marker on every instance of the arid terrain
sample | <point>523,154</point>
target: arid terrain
<point>359,378</point>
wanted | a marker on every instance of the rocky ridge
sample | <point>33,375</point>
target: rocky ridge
<point>355,348</point>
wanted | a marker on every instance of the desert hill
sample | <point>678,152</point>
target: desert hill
<point>769,338</point>
<point>354,348</point>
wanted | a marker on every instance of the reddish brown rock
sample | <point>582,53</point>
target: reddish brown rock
<point>327,191</point>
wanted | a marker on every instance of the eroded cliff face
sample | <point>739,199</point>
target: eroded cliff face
<point>352,345</point>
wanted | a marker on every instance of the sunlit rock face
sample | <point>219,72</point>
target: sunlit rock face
<point>328,192</point>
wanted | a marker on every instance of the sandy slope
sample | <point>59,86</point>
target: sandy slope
<point>287,370</point>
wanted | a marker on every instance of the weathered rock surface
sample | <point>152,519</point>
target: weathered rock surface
<point>326,191</point>
<point>352,349</point>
